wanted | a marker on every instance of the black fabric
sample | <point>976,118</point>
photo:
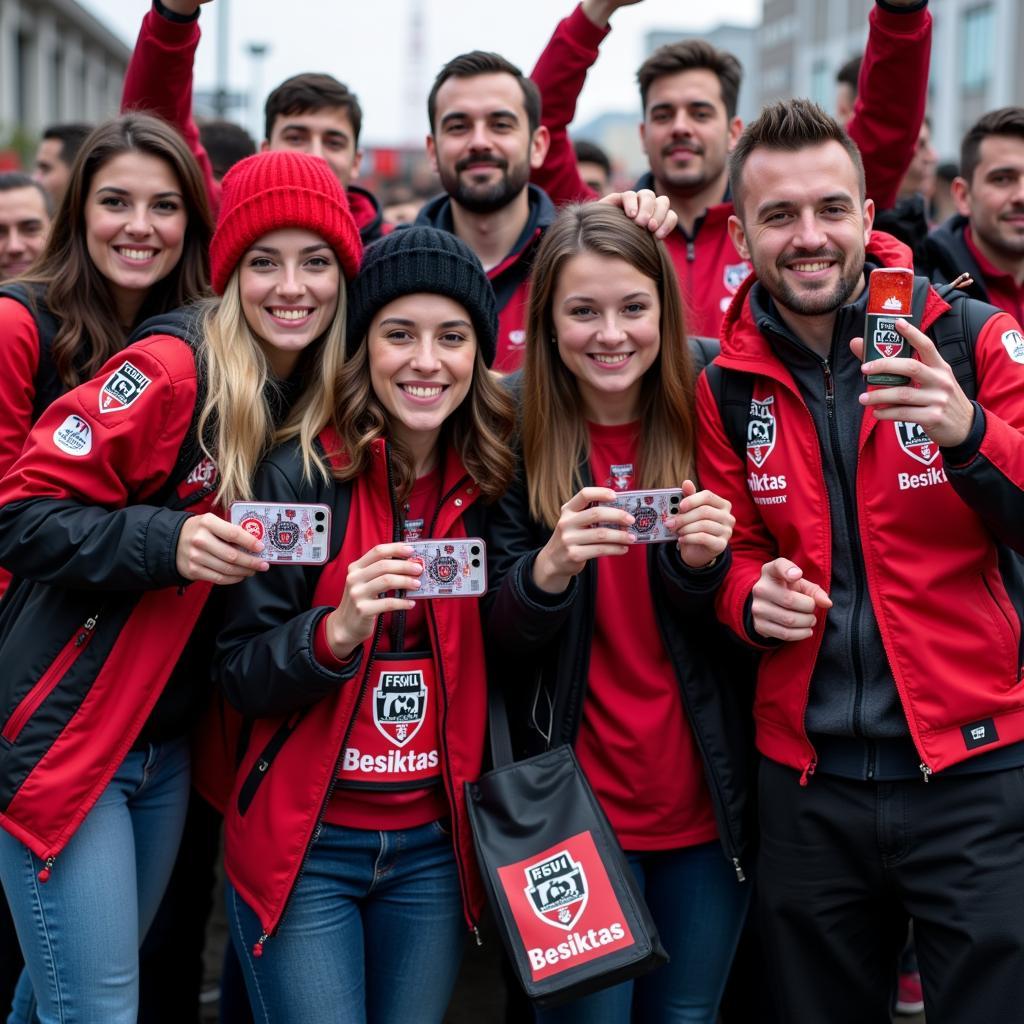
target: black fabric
<point>845,864</point>
<point>946,257</point>
<point>422,259</point>
<point>519,811</point>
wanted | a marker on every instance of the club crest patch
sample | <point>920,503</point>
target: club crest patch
<point>734,275</point>
<point>399,705</point>
<point>1013,342</point>
<point>557,889</point>
<point>916,443</point>
<point>762,428</point>
<point>886,339</point>
<point>621,478</point>
<point>122,388</point>
<point>74,436</point>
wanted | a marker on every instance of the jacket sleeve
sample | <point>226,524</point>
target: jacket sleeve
<point>519,617</point>
<point>560,73</point>
<point>892,91</point>
<point>159,79</point>
<point>721,470</point>
<point>72,507</point>
<point>987,470</point>
<point>689,590</point>
<point>266,661</point>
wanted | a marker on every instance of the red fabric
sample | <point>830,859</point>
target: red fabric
<point>266,846</point>
<point>926,553</point>
<point>512,330</point>
<point>709,268</point>
<point>281,189</point>
<point>1002,288</point>
<point>635,744</point>
<point>133,451</point>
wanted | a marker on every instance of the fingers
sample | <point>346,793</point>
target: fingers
<point>211,550</point>
<point>382,551</point>
<point>587,496</point>
<point>921,343</point>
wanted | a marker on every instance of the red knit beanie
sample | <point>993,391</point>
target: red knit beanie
<point>281,189</point>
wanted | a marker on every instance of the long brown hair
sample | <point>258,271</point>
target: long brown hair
<point>553,429</point>
<point>480,429</point>
<point>75,291</point>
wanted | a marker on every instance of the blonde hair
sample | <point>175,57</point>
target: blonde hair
<point>554,431</point>
<point>480,429</point>
<point>236,427</point>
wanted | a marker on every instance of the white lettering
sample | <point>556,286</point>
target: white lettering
<point>576,945</point>
<point>395,762</point>
<point>911,481</point>
<point>766,482</point>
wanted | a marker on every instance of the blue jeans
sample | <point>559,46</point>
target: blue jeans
<point>80,931</point>
<point>699,909</point>
<point>374,931</point>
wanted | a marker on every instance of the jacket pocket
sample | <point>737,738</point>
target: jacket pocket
<point>258,772</point>
<point>1004,624</point>
<point>49,680</point>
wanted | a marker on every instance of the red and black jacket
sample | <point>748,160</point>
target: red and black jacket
<point>300,713</point>
<point>936,529</point>
<point>99,617</point>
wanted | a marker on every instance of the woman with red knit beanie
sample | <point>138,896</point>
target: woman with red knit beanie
<point>113,530</point>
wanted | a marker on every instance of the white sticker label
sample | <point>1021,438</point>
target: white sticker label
<point>1013,342</point>
<point>74,436</point>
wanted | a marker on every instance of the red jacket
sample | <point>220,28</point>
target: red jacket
<point>159,79</point>
<point>89,521</point>
<point>302,711</point>
<point>931,533</point>
<point>710,270</point>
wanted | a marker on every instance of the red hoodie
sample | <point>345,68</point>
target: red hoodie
<point>709,268</point>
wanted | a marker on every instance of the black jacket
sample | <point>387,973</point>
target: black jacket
<point>947,256</point>
<point>540,644</point>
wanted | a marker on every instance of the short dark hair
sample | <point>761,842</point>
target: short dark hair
<point>591,153</point>
<point>70,137</point>
<point>225,143</point>
<point>482,62</point>
<point>1007,121</point>
<point>947,171</point>
<point>849,73</point>
<point>308,93</point>
<point>693,55</point>
<point>789,125</point>
<point>10,180</point>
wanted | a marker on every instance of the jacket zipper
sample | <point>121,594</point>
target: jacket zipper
<point>49,679</point>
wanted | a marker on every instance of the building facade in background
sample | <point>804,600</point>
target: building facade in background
<point>976,65</point>
<point>57,63</point>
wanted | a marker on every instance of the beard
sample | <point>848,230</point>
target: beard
<point>485,198</point>
<point>811,301</point>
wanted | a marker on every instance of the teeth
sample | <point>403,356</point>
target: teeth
<point>810,267</point>
<point>422,392</point>
<point>290,314</point>
<point>611,360</point>
<point>136,254</point>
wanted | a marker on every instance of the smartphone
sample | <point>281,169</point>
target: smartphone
<point>451,568</point>
<point>649,510</point>
<point>292,534</point>
<point>890,298</point>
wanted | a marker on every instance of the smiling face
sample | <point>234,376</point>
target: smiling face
<point>24,224</point>
<point>481,145</point>
<point>422,350</point>
<point>993,200</point>
<point>288,281</point>
<point>687,132</point>
<point>607,319</point>
<point>804,226</point>
<point>135,221</point>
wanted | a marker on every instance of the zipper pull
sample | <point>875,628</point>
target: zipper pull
<point>830,389</point>
<point>44,874</point>
<point>691,252</point>
<point>257,950</point>
<point>808,771</point>
<point>740,876</point>
<point>476,934</point>
<point>87,627</point>
<point>926,772</point>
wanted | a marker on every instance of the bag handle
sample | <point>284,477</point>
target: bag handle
<point>497,725</point>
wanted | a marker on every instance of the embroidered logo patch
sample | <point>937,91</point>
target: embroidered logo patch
<point>122,388</point>
<point>74,436</point>
<point>979,734</point>
<point>399,705</point>
<point>621,477</point>
<point>734,275</point>
<point>761,430</point>
<point>1013,342</point>
<point>916,443</point>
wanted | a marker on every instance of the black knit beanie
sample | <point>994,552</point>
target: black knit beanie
<point>422,259</point>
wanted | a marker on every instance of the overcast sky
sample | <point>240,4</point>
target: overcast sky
<point>366,43</point>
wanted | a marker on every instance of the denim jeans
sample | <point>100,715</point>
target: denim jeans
<point>374,931</point>
<point>80,931</point>
<point>699,908</point>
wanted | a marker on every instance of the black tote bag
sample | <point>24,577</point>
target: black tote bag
<point>565,900</point>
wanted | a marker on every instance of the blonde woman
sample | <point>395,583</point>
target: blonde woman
<point>115,541</point>
<point>608,645</point>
